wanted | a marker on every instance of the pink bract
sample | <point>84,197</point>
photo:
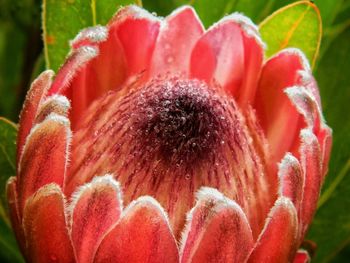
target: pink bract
<point>160,141</point>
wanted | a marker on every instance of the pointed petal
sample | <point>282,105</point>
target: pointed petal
<point>291,179</point>
<point>44,157</point>
<point>253,58</point>
<point>12,201</point>
<point>277,242</point>
<point>73,64</point>
<point>178,34</point>
<point>308,106</point>
<point>89,37</point>
<point>142,234</point>
<point>311,163</point>
<point>106,71</point>
<point>45,227</point>
<point>138,33</point>
<point>278,73</point>
<point>221,50</point>
<point>217,230</point>
<point>32,102</point>
<point>302,256</point>
<point>325,140</point>
<point>96,206</point>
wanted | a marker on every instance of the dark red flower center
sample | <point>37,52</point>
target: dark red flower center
<point>167,138</point>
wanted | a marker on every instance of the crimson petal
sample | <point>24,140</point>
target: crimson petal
<point>96,206</point>
<point>141,235</point>
<point>217,230</point>
<point>49,141</point>
<point>291,179</point>
<point>311,164</point>
<point>277,242</point>
<point>12,200</point>
<point>45,227</point>
<point>32,102</point>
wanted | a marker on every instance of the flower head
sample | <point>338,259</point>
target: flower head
<point>159,141</point>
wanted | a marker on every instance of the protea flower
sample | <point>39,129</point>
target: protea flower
<point>159,141</point>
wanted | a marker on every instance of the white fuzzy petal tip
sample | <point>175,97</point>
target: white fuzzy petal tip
<point>246,25</point>
<point>300,54</point>
<point>57,99</point>
<point>98,181</point>
<point>94,34</point>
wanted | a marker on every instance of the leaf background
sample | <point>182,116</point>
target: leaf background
<point>22,58</point>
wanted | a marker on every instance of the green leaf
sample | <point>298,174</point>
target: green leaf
<point>212,11</point>
<point>331,226</point>
<point>8,134</point>
<point>296,25</point>
<point>164,8</point>
<point>62,21</point>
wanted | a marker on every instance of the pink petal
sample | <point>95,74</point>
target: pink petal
<point>96,206</point>
<point>106,71</point>
<point>278,116</point>
<point>309,107</point>
<point>306,105</point>
<point>232,53</point>
<point>311,164</point>
<point>33,100</point>
<point>325,140</point>
<point>12,201</point>
<point>302,256</point>
<point>178,34</point>
<point>219,55</point>
<point>253,58</point>
<point>291,179</point>
<point>142,234</point>
<point>73,64</point>
<point>277,241</point>
<point>138,33</point>
<point>44,158</point>
<point>45,227</point>
<point>217,230</point>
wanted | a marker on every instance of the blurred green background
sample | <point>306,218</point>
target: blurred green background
<point>21,59</point>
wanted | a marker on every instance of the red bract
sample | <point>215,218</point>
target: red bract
<point>158,141</point>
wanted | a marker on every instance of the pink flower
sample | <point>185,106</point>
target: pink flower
<point>159,141</point>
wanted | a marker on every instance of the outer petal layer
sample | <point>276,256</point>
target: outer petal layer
<point>32,102</point>
<point>277,242</point>
<point>142,235</point>
<point>45,227</point>
<point>278,116</point>
<point>311,164</point>
<point>44,157</point>
<point>95,208</point>
<point>16,221</point>
<point>217,230</point>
